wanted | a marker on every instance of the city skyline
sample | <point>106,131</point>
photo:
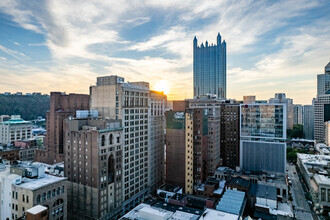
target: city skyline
<point>49,46</point>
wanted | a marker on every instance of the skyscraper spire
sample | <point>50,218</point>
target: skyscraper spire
<point>219,39</point>
<point>195,42</point>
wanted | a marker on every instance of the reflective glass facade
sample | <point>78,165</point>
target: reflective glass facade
<point>263,121</point>
<point>210,69</point>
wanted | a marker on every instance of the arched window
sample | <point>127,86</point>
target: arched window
<point>102,140</point>
<point>58,202</point>
<point>111,169</point>
<point>111,139</point>
<point>118,138</point>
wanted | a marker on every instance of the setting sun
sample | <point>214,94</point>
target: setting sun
<point>162,86</point>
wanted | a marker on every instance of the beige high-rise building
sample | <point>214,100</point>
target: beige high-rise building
<point>156,127</point>
<point>131,102</point>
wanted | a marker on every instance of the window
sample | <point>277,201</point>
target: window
<point>23,198</point>
<point>53,193</point>
<point>27,199</point>
<point>102,140</point>
<point>38,199</point>
<point>111,139</point>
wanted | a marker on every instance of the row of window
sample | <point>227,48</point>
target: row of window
<point>50,194</point>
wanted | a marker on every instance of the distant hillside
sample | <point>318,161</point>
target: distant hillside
<point>28,106</point>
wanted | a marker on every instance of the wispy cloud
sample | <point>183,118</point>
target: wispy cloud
<point>12,53</point>
<point>16,43</point>
<point>168,27</point>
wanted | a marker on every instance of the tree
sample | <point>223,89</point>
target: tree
<point>29,107</point>
<point>296,132</point>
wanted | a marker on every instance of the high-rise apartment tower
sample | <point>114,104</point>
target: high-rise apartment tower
<point>322,104</point>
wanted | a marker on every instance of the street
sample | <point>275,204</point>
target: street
<point>301,207</point>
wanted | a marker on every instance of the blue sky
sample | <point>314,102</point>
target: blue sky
<point>60,45</point>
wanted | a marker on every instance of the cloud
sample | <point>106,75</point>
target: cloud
<point>292,69</point>
<point>16,43</point>
<point>37,44</point>
<point>12,53</point>
<point>83,33</point>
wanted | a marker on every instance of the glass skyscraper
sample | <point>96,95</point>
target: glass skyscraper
<point>210,69</point>
<point>262,137</point>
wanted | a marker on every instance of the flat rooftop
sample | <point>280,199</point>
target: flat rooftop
<point>263,191</point>
<point>34,184</point>
<point>318,160</point>
<point>231,202</point>
<point>211,214</point>
<point>36,209</point>
<point>321,179</point>
<point>161,210</point>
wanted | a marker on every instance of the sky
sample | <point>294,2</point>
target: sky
<point>61,45</point>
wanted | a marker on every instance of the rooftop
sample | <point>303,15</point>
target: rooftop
<point>232,202</point>
<point>321,179</point>
<point>240,181</point>
<point>161,210</point>
<point>320,160</point>
<point>36,209</point>
<point>34,184</point>
<point>211,214</point>
<point>15,122</point>
<point>263,191</point>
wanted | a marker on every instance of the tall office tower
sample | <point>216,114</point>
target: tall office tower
<point>322,104</point>
<point>230,121</point>
<point>179,149</point>
<point>115,99</point>
<point>298,114</point>
<point>200,145</point>
<point>281,98</point>
<point>308,122</point>
<point>157,102</point>
<point>93,166</point>
<point>263,136</point>
<point>61,107</point>
<point>210,68</point>
<point>206,134</point>
<point>204,139</point>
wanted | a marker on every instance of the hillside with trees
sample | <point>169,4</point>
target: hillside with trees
<point>28,106</point>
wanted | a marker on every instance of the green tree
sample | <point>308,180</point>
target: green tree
<point>28,106</point>
<point>296,132</point>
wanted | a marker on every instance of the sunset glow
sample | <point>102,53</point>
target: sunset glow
<point>162,86</point>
